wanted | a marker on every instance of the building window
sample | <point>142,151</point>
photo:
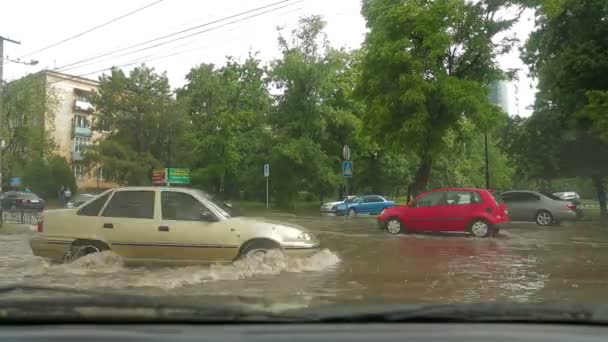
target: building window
<point>83,97</point>
<point>81,143</point>
<point>82,121</point>
<point>78,171</point>
<point>103,125</point>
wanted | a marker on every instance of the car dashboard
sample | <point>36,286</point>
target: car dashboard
<point>459,332</point>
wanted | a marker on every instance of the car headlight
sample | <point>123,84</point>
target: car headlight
<point>305,236</point>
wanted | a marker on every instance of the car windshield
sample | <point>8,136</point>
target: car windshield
<point>303,154</point>
<point>217,205</point>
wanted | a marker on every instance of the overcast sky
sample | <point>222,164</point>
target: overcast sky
<point>38,23</point>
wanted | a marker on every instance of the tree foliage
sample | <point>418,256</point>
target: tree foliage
<point>143,121</point>
<point>568,53</point>
<point>427,67</point>
<point>27,119</point>
<point>227,108</point>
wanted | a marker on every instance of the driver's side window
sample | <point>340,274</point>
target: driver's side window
<point>431,199</point>
<point>181,206</point>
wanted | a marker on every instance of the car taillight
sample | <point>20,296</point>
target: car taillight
<point>571,206</point>
<point>40,226</point>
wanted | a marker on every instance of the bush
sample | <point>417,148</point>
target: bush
<point>45,177</point>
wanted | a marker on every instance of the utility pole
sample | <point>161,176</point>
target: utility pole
<point>2,39</point>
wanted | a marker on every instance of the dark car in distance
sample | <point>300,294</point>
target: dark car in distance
<point>18,200</point>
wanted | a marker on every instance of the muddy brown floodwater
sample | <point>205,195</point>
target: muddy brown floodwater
<point>360,263</point>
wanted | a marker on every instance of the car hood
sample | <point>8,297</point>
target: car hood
<point>266,225</point>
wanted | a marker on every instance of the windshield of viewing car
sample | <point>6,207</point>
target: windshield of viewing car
<point>294,120</point>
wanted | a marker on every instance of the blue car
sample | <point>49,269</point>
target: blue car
<point>368,205</point>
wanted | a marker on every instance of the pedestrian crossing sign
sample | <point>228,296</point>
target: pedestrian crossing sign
<point>347,168</point>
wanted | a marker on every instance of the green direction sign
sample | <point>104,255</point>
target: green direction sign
<point>178,176</point>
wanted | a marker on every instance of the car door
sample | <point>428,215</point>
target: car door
<point>529,204</point>
<point>129,223</point>
<point>514,201</point>
<point>460,207</point>
<point>421,215</point>
<point>372,204</point>
<point>194,232</point>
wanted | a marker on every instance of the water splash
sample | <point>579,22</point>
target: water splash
<point>107,270</point>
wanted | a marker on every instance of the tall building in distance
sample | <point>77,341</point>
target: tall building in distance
<point>72,124</point>
<point>505,95</point>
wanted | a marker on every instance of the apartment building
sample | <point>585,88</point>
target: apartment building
<point>71,126</point>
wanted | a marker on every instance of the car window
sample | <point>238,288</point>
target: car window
<point>554,197</point>
<point>528,197</point>
<point>373,199</point>
<point>513,197</point>
<point>463,197</point>
<point>181,206</point>
<point>431,199</point>
<point>93,208</point>
<point>131,204</point>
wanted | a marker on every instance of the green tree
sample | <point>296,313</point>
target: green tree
<point>228,108</point>
<point>315,114</point>
<point>144,123</point>
<point>27,116</point>
<point>45,176</point>
<point>427,66</point>
<point>568,53</point>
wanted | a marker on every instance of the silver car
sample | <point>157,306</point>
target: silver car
<point>544,209</point>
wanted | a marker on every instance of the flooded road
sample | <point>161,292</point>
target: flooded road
<point>359,262</point>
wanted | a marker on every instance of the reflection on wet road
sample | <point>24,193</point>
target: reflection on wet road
<point>359,263</point>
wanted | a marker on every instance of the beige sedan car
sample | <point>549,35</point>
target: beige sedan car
<point>162,225</point>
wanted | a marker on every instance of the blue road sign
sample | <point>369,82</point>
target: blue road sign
<point>347,168</point>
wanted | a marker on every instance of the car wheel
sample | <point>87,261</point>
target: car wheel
<point>257,249</point>
<point>480,228</point>
<point>81,248</point>
<point>352,212</point>
<point>544,218</point>
<point>394,226</point>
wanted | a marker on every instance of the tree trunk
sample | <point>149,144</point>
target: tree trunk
<point>423,174</point>
<point>601,197</point>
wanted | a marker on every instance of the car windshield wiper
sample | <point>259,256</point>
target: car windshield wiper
<point>61,305</point>
<point>486,313</point>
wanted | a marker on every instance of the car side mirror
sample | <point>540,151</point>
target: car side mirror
<point>208,216</point>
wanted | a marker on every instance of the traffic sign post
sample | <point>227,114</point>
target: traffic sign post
<point>267,175</point>
<point>347,172</point>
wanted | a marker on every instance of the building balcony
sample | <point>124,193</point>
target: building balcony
<point>77,156</point>
<point>83,131</point>
<point>83,106</point>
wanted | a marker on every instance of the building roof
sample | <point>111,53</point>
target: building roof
<point>69,77</point>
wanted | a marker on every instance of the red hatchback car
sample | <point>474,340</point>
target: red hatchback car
<point>475,211</point>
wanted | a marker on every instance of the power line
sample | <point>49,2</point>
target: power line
<point>206,30</point>
<point>139,60</point>
<point>93,28</point>
<point>170,35</point>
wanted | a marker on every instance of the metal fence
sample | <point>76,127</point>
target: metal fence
<point>20,216</point>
